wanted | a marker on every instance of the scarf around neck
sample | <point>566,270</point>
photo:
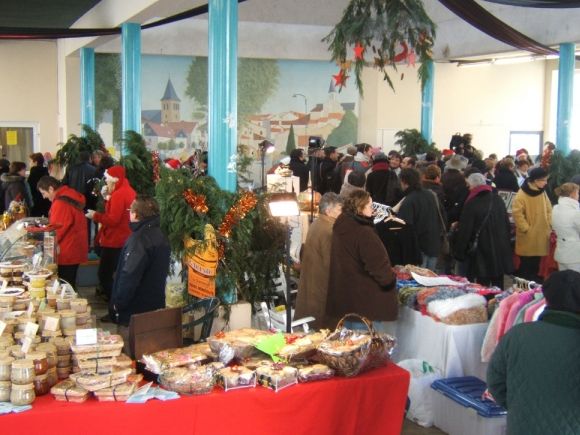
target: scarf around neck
<point>532,191</point>
<point>476,191</point>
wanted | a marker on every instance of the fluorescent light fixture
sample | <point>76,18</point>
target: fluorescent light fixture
<point>513,60</point>
<point>283,204</point>
<point>473,63</point>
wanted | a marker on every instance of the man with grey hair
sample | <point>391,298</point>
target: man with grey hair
<point>315,262</point>
<point>483,236</point>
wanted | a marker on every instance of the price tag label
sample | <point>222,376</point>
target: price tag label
<point>26,343</point>
<point>86,336</point>
<point>51,323</point>
<point>62,291</point>
<point>2,327</point>
<point>30,329</point>
<point>30,310</point>
<point>55,286</point>
<point>4,286</point>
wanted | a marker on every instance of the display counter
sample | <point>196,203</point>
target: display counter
<point>371,403</point>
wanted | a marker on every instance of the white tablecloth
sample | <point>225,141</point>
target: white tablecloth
<point>454,349</point>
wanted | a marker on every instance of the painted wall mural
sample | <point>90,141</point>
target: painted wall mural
<point>282,101</point>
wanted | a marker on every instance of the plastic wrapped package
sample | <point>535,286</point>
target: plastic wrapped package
<point>239,344</point>
<point>301,347</point>
<point>110,344</point>
<point>166,359</point>
<point>121,392</point>
<point>102,365</point>
<point>236,377</point>
<point>197,380</point>
<point>351,352</point>
<point>277,376</point>
<point>69,391</point>
<point>315,372</point>
<point>95,382</point>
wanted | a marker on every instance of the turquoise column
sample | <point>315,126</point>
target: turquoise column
<point>131,78</point>
<point>223,92</point>
<point>565,96</point>
<point>88,87</point>
<point>427,104</point>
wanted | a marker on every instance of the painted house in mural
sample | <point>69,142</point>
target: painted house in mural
<point>165,126</point>
<point>320,121</point>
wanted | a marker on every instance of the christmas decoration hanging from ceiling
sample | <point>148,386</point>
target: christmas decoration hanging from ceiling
<point>380,34</point>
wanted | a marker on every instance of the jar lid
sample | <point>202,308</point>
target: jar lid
<point>46,347</point>
<point>23,387</point>
<point>6,360</point>
<point>36,355</point>
<point>5,384</point>
<point>23,364</point>
<point>79,301</point>
<point>67,313</point>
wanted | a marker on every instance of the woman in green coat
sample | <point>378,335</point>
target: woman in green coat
<point>534,372</point>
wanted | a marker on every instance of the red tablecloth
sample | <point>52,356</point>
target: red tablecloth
<point>372,403</point>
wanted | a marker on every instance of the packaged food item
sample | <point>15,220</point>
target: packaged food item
<point>5,387</point>
<point>277,376</point>
<point>95,382</point>
<point>63,372</point>
<point>79,305</point>
<point>21,395</point>
<point>6,368</point>
<point>118,393</point>
<point>62,345</point>
<point>299,347</point>
<point>41,386</point>
<point>315,372</point>
<point>235,377</point>
<point>103,365</point>
<point>239,343</point>
<point>69,391</point>
<point>22,372</point>
<point>196,380</point>
<point>40,361</point>
<point>52,377</point>
<point>106,343</point>
<point>195,354</point>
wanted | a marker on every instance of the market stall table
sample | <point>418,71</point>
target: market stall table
<point>454,349</point>
<point>371,403</point>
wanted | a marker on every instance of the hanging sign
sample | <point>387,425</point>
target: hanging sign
<point>202,265</point>
<point>11,137</point>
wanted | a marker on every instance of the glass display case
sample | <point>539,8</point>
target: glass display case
<point>27,237</point>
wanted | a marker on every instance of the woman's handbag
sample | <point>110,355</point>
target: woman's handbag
<point>444,246</point>
<point>474,243</point>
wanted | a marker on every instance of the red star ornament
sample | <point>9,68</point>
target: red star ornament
<point>411,58</point>
<point>358,51</point>
<point>340,78</point>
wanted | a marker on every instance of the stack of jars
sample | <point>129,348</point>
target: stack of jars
<point>63,354</point>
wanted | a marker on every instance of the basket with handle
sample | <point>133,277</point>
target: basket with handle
<point>351,352</point>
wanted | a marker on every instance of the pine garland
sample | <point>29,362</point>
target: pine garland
<point>90,141</point>
<point>561,170</point>
<point>138,163</point>
<point>377,30</point>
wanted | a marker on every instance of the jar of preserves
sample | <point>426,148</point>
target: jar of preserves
<point>50,350</point>
<point>6,368</point>
<point>52,377</point>
<point>68,319</point>
<point>22,372</point>
<point>21,395</point>
<point>40,362</point>
<point>41,386</point>
<point>5,387</point>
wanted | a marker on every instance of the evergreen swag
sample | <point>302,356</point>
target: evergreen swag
<point>138,163</point>
<point>251,254</point>
<point>378,30</point>
<point>561,170</point>
<point>90,141</point>
<point>413,143</point>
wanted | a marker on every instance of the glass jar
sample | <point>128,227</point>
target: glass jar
<point>40,362</point>
<point>50,350</point>
<point>41,386</point>
<point>5,387</point>
<point>22,372</point>
<point>6,368</point>
<point>79,305</point>
<point>52,377</point>
<point>21,395</point>
<point>68,319</point>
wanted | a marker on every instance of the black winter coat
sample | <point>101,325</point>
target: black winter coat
<point>384,187</point>
<point>14,188</point>
<point>141,273</point>
<point>493,257</point>
<point>326,176</point>
<point>455,193</point>
<point>506,180</point>
<point>300,169</point>
<point>82,177</point>
<point>41,206</point>
<point>419,209</point>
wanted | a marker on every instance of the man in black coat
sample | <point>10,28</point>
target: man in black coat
<point>484,213</point>
<point>139,284</point>
<point>326,170</point>
<point>299,168</point>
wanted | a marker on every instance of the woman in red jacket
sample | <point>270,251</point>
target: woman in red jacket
<point>67,214</point>
<point>119,195</point>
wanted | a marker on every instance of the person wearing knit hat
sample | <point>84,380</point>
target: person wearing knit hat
<point>114,226</point>
<point>533,372</point>
<point>532,213</point>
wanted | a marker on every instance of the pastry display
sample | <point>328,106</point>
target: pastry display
<point>302,347</point>
<point>196,380</point>
<point>95,382</point>
<point>277,376</point>
<point>105,343</point>
<point>316,372</point>
<point>236,344</point>
<point>119,393</point>
<point>232,378</point>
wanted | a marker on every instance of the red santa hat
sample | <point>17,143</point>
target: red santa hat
<point>115,173</point>
<point>447,152</point>
<point>172,164</point>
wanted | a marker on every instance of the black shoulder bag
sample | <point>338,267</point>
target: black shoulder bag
<point>474,243</point>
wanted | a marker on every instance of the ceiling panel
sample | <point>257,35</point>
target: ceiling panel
<point>55,14</point>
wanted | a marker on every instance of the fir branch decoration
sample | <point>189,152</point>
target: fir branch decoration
<point>138,163</point>
<point>412,142</point>
<point>377,30</point>
<point>90,141</point>
<point>561,170</point>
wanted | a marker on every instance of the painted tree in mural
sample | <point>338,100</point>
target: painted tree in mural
<point>108,90</point>
<point>257,80</point>
<point>291,143</point>
<point>346,132</point>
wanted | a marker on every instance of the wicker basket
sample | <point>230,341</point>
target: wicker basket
<point>349,352</point>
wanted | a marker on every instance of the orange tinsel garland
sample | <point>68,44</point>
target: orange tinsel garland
<point>237,212</point>
<point>155,162</point>
<point>196,202</point>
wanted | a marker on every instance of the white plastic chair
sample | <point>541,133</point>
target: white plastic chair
<point>277,319</point>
